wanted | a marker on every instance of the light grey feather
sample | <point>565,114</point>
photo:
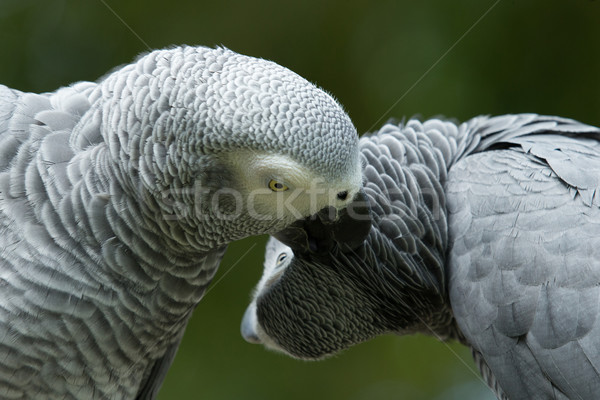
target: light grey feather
<point>104,252</point>
<point>496,218</point>
<point>524,265</point>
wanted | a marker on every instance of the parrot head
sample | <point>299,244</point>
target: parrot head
<point>325,288</point>
<point>314,299</point>
<point>228,146</point>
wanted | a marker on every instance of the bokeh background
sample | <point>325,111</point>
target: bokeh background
<point>381,59</point>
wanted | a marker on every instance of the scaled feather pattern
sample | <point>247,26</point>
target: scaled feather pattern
<point>108,237</point>
<point>487,232</point>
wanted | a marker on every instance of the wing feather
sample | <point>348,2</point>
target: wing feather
<point>524,267</point>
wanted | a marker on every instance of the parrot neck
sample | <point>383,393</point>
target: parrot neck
<point>158,268</point>
<point>415,271</point>
<point>420,276</point>
<point>102,236</point>
<point>409,244</point>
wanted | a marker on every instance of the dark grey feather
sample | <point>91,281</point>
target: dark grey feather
<point>488,232</point>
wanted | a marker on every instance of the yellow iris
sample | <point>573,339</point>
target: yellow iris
<point>277,186</point>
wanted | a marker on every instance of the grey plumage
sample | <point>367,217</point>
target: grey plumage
<point>487,232</point>
<point>118,198</point>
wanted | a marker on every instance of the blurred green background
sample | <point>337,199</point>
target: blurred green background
<point>381,59</point>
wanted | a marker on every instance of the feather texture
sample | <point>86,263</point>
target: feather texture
<point>105,244</point>
<point>487,232</point>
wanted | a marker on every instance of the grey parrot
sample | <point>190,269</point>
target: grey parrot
<point>118,199</point>
<point>487,232</point>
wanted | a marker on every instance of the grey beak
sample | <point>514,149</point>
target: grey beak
<point>248,327</point>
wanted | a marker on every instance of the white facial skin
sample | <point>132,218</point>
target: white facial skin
<point>277,258</point>
<point>275,186</point>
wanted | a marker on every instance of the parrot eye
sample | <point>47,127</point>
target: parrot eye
<point>281,258</point>
<point>342,195</point>
<point>277,186</point>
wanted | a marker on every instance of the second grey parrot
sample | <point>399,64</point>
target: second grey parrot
<point>486,232</point>
<point>118,199</point>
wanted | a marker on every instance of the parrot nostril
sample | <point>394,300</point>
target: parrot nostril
<point>342,195</point>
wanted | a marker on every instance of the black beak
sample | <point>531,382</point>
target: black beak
<point>320,233</point>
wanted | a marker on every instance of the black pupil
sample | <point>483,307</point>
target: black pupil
<point>278,185</point>
<point>342,195</point>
